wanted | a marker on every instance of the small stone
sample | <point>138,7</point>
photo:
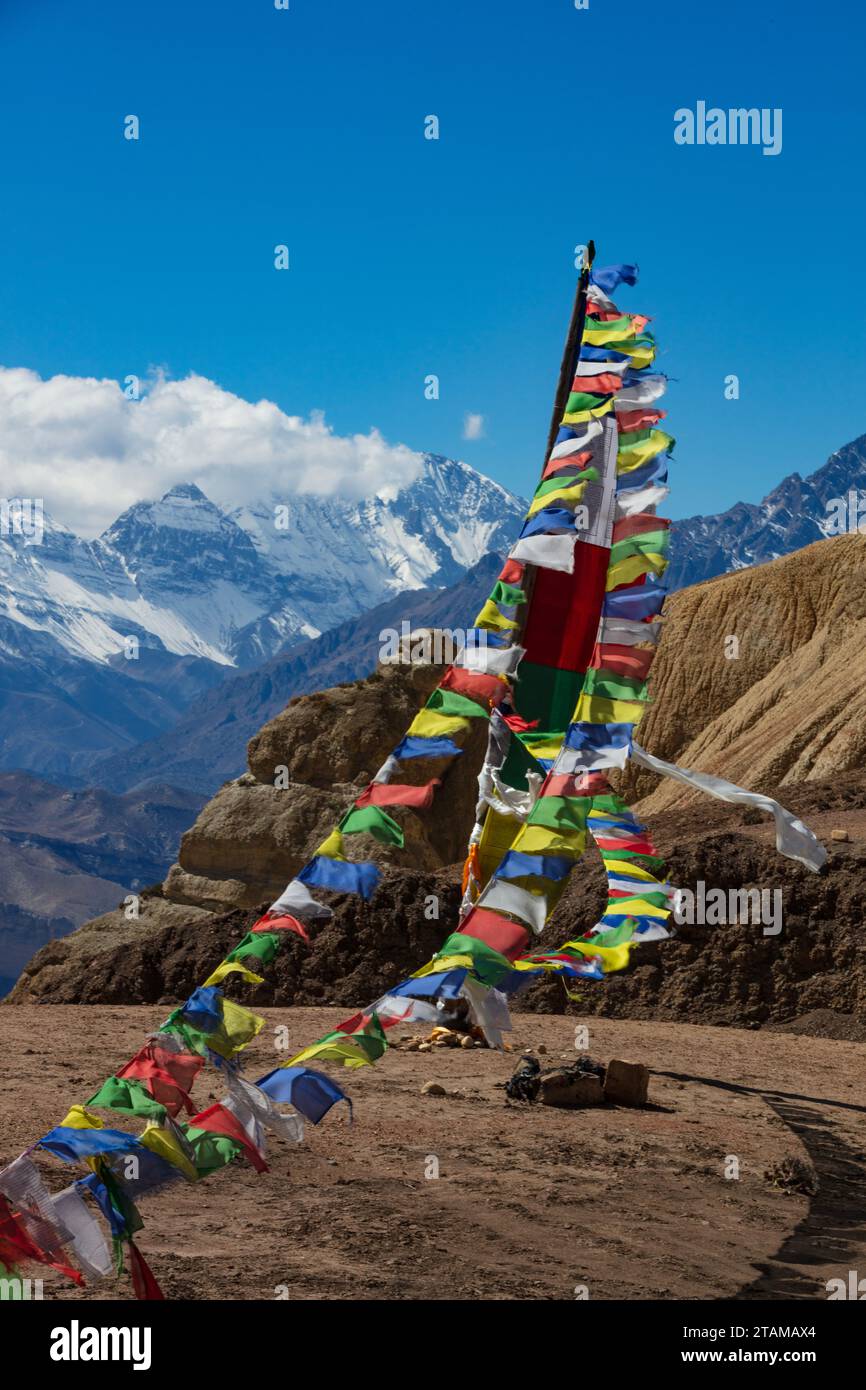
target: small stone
<point>626,1083</point>
<point>469,1042</point>
<point>425,1047</point>
<point>415,1045</point>
<point>840,835</point>
<point>432,1088</point>
<point>541,1050</point>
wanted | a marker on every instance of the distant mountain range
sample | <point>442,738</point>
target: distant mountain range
<point>104,643</point>
<point>794,514</point>
<point>66,856</point>
<point>208,744</point>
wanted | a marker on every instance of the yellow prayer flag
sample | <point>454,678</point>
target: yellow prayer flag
<point>635,455</point>
<point>428,723</point>
<point>640,356</point>
<point>597,709</point>
<point>637,907</point>
<point>162,1142</point>
<point>630,868</point>
<point>491,617</point>
<point>614,330</point>
<point>442,963</point>
<point>612,957</point>
<point>80,1117</point>
<point>332,846</point>
<point>333,1050</point>
<point>580,417</point>
<point>549,749</point>
<point>239,1027</point>
<point>630,569</point>
<point>229,967</point>
<point>572,493</point>
<point>540,839</point>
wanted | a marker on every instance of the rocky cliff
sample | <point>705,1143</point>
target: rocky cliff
<point>761,675</point>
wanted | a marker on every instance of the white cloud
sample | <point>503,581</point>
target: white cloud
<point>90,452</point>
<point>473,426</point>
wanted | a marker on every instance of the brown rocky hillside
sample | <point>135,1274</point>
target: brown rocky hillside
<point>790,706</point>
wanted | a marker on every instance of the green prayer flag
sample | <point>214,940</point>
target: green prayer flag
<point>128,1098</point>
<point>613,687</point>
<point>489,965</point>
<point>374,821</point>
<point>210,1151</point>
<point>193,1038</point>
<point>616,936</point>
<point>647,543</point>
<point>583,400</point>
<point>560,812</point>
<point>564,480</point>
<point>262,944</point>
<point>508,594</point>
<point>450,702</point>
<point>624,904</point>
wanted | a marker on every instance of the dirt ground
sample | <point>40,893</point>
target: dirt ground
<point>529,1202</point>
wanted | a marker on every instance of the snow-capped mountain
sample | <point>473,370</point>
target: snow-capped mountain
<point>181,574</point>
<point>202,591</point>
<point>796,513</point>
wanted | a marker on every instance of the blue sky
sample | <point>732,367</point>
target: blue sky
<point>455,256</point>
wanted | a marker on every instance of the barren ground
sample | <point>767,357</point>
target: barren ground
<point>530,1201</point>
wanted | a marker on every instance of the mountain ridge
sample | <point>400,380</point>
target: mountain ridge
<point>104,643</point>
<point>792,515</point>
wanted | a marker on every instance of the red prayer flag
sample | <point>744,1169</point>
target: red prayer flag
<point>512,572</point>
<point>605,384</point>
<point>568,464</point>
<point>517,724</point>
<point>640,419</point>
<point>475,685</point>
<point>507,937</point>
<point>362,1020</point>
<point>145,1285</point>
<point>632,846</point>
<point>17,1246</point>
<point>575,784</point>
<point>169,1075</point>
<point>562,624</point>
<point>623,660</point>
<point>280,922</point>
<point>217,1120</point>
<point>638,525</point>
<point>394,794</point>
